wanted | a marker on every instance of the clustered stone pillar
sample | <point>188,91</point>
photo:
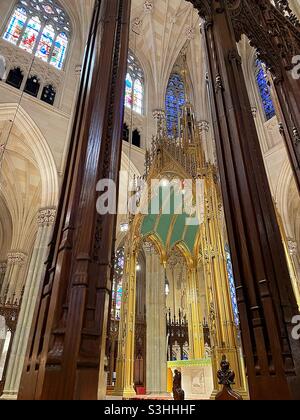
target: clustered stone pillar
<point>156,324</point>
<point>3,268</point>
<point>45,221</point>
<point>125,361</point>
<point>207,143</point>
<point>196,335</point>
<point>14,275</point>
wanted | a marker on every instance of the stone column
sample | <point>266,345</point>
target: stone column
<point>45,222</point>
<point>156,325</point>
<point>294,258</point>
<point>195,318</point>
<point>125,362</point>
<point>14,276</point>
<point>3,267</point>
<point>206,142</point>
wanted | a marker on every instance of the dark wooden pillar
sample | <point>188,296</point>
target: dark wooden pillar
<point>286,77</point>
<point>288,92</point>
<point>67,342</point>
<point>264,290</point>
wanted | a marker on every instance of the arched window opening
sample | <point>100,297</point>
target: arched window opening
<point>264,90</point>
<point>136,138</point>
<point>15,77</point>
<point>48,94</point>
<point>175,100</point>
<point>32,86</point>
<point>41,28</point>
<point>125,133</point>
<point>134,85</point>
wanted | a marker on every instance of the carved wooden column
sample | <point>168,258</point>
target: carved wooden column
<point>275,32</point>
<point>66,352</point>
<point>265,295</point>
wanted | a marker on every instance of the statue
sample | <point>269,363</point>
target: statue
<point>178,392</point>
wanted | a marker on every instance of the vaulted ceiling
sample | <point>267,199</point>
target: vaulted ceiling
<point>160,30</point>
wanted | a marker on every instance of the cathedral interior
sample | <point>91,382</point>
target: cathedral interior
<point>192,110</point>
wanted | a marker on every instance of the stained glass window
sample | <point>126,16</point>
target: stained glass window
<point>42,28</point>
<point>264,91</point>
<point>118,284</point>
<point>16,25</point>
<point>128,91</point>
<point>175,100</point>
<point>138,96</point>
<point>46,43</point>
<point>59,51</point>
<point>31,34</point>
<point>134,85</point>
<point>232,286</point>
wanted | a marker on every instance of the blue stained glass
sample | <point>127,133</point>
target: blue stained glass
<point>175,100</point>
<point>265,91</point>
<point>232,286</point>
<point>118,284</point>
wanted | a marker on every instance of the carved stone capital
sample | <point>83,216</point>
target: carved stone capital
<point>203,126</point>
<point>149,248</point>
<point>137,25</point>
<point>190,32</point>
<point>254,111</point>
<point>148,7</point>
<point>46,217</point>
<point>3,267</point>
<point>293,247</point>
<point>16,258</point>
